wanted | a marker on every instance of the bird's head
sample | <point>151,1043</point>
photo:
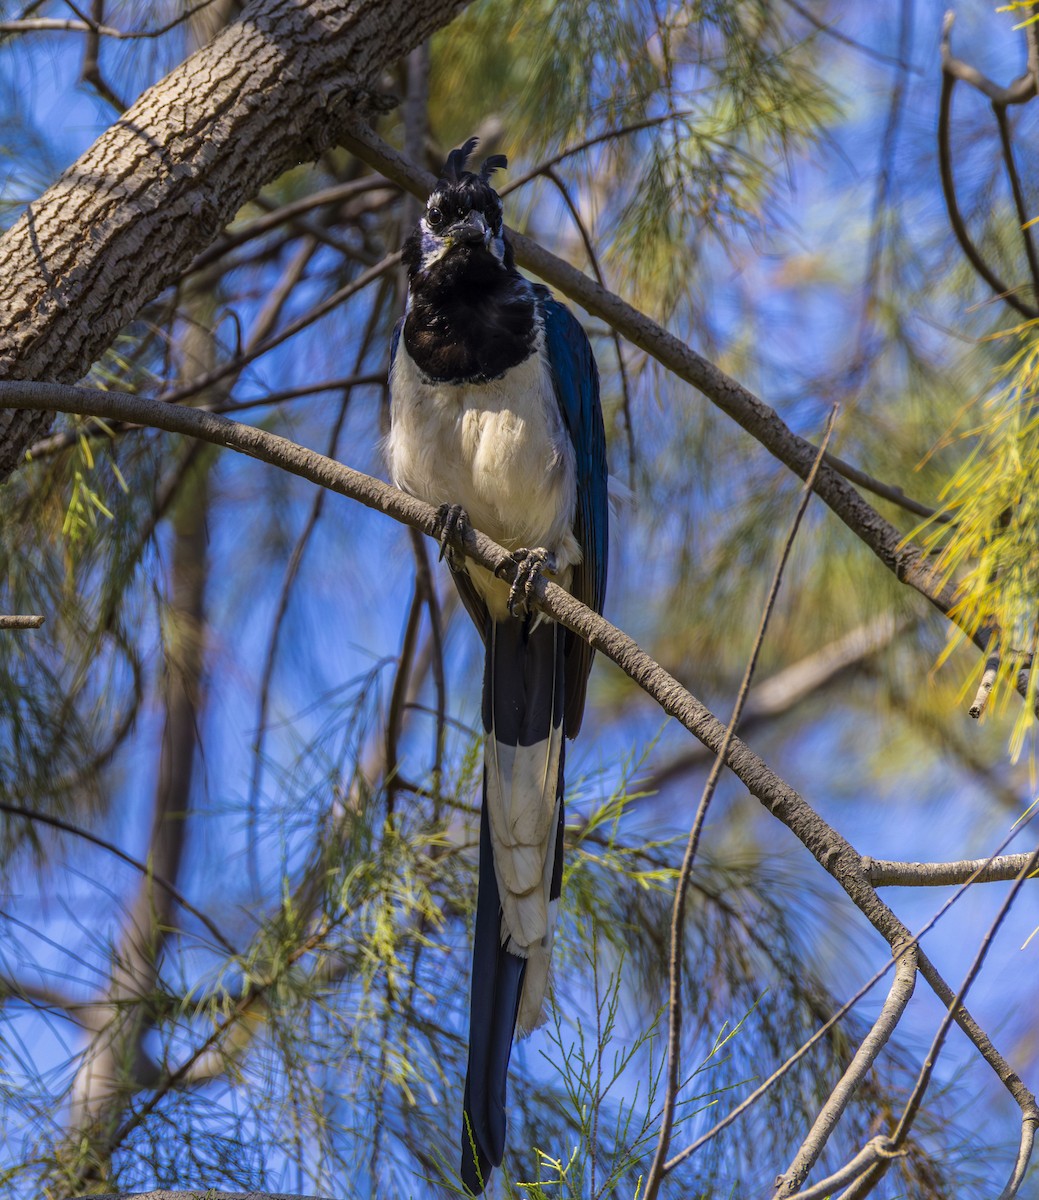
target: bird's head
<point>461,227</point>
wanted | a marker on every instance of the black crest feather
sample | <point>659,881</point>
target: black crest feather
<point>492,163</point>
<point>456,161</point>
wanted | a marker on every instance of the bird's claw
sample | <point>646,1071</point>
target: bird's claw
<point>529,565</point>
<point>451,525</point>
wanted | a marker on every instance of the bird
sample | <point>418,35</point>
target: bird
<point>496,421</point>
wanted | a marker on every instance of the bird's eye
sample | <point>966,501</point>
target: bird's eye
<point>434,218</point>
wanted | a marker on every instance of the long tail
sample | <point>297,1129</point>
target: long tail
<point>521,866</point>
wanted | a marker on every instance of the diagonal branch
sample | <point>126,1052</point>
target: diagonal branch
<point>830,849</point>
<point>270,91</point>
<point>890,1014</point>
<point>674,1035</point>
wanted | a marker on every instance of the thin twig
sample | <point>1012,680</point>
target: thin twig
<point>87,25</point>
<point>658,1167</point>
<point>288,582</point>
<point>832,31</point>
<point>615,337</point>
<point>867,1182</point>
<point>16,810</point>
<point>20,622</point>
<point>435,651</point>
<point>916,1098</point>
<point>899,948</point>
<point>302,322</point>
<point>398,694</point>
<point>890,1014</point>
<point>1020,205</point>
<point>953,70</point>
<point>284,213</point>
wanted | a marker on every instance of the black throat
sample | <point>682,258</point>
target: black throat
<point>471,317</point>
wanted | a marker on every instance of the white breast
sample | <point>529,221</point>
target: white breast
<point>498,448</point>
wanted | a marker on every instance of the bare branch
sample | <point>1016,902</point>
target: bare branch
<point>1020,91</point>
<point>674,1037</point>
<point>16,810</point>
<point>988,680</point>
<point>884,873</point>
<point>834,853</point>
<point>879,1149</point>
<point>879,1035</point>
<point>28,622</point>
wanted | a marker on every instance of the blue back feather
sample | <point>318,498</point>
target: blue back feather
<point>576,380</point>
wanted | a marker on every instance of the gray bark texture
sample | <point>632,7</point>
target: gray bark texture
<point>274,89</point>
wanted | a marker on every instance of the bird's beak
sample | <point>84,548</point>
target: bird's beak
<point>473,231</point>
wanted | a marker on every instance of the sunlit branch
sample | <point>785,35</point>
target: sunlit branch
<point>885,873</point>
<point>900,948</point>
<point>674,1038</point>
<point>833,852</point>
<point>21,622</point>
<point>879,1035</point>
<point>878,1149</point>
<point>913,1104</point>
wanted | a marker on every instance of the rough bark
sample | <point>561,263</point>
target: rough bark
<point>272,90</point>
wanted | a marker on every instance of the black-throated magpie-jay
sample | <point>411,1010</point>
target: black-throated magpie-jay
<point>495,419</point>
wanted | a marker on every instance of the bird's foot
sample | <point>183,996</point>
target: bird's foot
<point>529,565</point>
<point>452,523</point>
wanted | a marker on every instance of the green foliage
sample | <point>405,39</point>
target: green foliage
<point>991,553</point>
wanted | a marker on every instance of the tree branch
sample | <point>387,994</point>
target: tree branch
<point>833,852</point>
<point>674,1036</point>
<point>879,1035</point>
<point>28,622</point>
<point>884,873</point>
<point>272,90</point>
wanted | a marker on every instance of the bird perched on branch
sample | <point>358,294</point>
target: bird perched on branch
<point>495,419</point>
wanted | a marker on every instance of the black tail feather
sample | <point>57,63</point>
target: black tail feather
<point>496,987</point>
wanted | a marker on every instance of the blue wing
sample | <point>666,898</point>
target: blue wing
<point>576,380</point>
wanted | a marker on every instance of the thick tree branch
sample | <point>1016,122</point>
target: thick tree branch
<point>275,89</point>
